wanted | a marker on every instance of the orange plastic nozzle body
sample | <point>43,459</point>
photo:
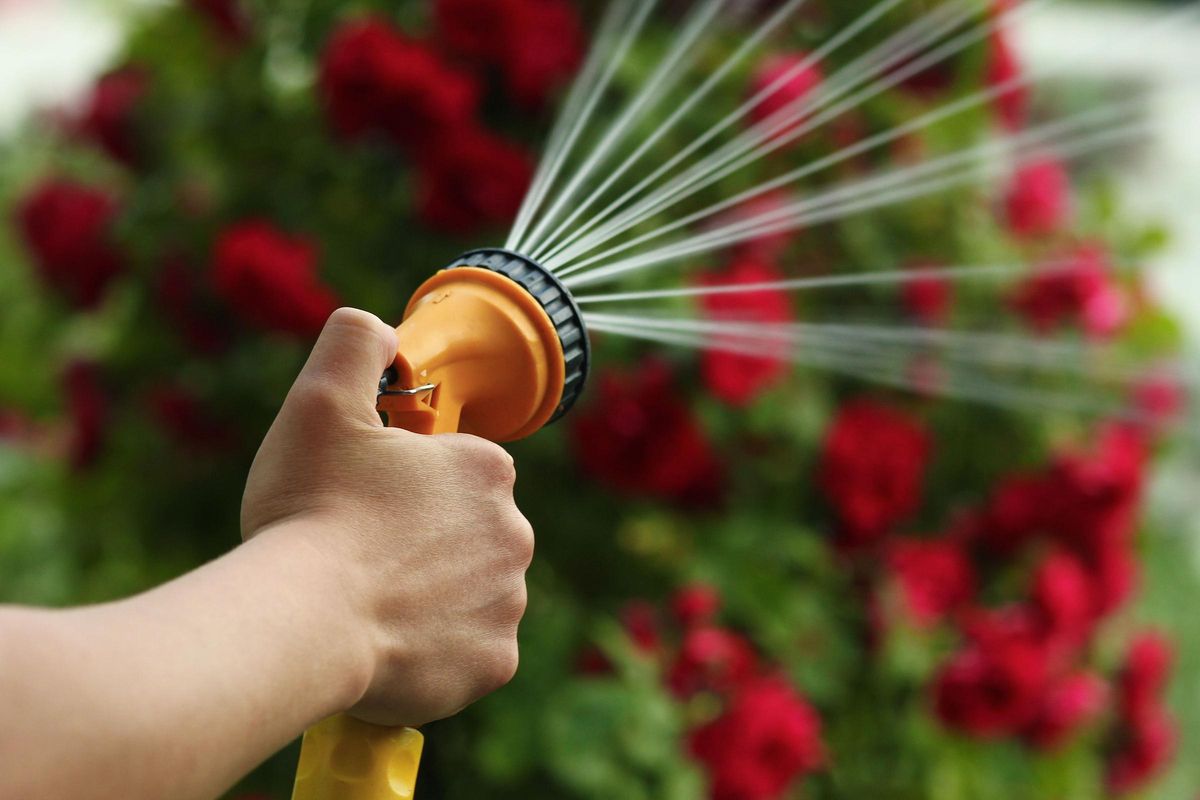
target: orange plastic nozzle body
<point>489,350</point>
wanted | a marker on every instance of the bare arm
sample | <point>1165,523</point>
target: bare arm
<point>383,574</point>
<point>180,691</point>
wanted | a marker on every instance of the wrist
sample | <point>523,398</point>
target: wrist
<point>338,637</point>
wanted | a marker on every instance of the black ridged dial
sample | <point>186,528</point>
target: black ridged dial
<point>555,300</point>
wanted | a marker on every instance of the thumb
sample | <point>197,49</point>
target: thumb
<point>352,353</point>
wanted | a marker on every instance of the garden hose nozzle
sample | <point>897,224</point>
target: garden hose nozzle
<point>494,346</point>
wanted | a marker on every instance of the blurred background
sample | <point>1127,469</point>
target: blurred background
<point>736,595</point>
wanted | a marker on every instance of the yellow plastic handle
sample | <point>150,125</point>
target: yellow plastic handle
<point>345,759</point>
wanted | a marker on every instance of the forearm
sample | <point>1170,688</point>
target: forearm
<point>179,691</point>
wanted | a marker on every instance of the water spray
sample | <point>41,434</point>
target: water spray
<point>493,345</point>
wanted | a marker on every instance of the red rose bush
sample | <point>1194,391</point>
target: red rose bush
<point>765,571</point>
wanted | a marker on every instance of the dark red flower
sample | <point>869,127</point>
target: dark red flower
<point>1038,201</point>
<point>639,437</point>
<point>767,739</point>
<point>765,249</point>
<point>1067,706</point>
<point>1011,103</point>
<point>1115,576</point>
<point>183,305</point>
<point>226,17</point>
<point>1078,288</point>
<point>935,577</point>
<point>107,119</point>
<point>696,604</point>
<point>1095,496</point>
<point>270,280</point>
<point>872,468</point>
<point>731,376</point>
<point>993,687</point>
<point>1146,746</point>
<point>640,620</point>
<point>546,47</point>
<point>537,44</point>
<point>927,296</point>
<point>87,407</point>
<point>66,227</point>
<point>789,79</point>
<point>1014,514</point>
<point>471,181</point>
<point>1145,674</point>
<point>186,420</point>
<point>375,79</point>
<point>711,659</point>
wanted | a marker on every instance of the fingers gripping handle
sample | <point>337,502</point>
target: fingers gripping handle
<point>343,758</point>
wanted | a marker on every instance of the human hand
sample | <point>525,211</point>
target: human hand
<point>423,531</point>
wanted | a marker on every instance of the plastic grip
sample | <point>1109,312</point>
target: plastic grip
<point>345,759</point>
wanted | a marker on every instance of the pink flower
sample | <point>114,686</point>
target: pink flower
<point>1039,198</point>
<point>1076,289</point>
<point>791,79</point>
<point>1063,597</point>
<point>1067,706</point>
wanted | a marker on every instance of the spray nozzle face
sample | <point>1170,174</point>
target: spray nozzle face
<point>556,300</point>
<point>492,345</point>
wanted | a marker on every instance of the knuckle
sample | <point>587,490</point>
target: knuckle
<point>364,323</point>
<point>522,539</point>
<point>503,666</point>
<point>319,396</point>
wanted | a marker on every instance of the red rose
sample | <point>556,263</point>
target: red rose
<point>1115,576</point>
<point>1068,705</point>
<point>270,279</point>
<point>711,659</point>
<point>735,378</point>
<point>1063,597</point>
<point>1146,745</point>
<point>993,687</point>
<point>789,85</point>
<point>87,407</point>
<point>1004,69</point>
<point>872,468</point>
<point>1145,674</point>
<point>226,17</point>
<point>538,44</point>
<point>1038,201</point>
<point>184,419</point>
<point>768,738</point>
<point>107,119</point>
<point>1076,289</point>
<point>927,296</point>
<point>934,577</point>
<point>640,620</point>
<point>639,437</point>
<point>1161,400</point>
<point>375,79</point>
<point>1014,514</point>
<point>546,47</point>
<point>1095,496</point>
<point>178,293</point>
<point>472,181</point>
<point>66,227</point>
<point>695,605</point>
<point>765,249</point>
